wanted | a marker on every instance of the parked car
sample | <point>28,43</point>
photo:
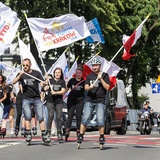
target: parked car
<point>117,110</point>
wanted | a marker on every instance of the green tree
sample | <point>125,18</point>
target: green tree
<point>142,67</point>
<point>116,17</point>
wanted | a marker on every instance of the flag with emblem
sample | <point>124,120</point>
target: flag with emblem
<point>9,24</point>
<point>95,31</point>
<point>57,32</point>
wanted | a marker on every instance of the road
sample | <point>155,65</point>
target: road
<point>131,146</point>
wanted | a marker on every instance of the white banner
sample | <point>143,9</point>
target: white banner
<point>9,24</point>
<point>25,53</point>
<point>57,32</point>
<point>60,63</point>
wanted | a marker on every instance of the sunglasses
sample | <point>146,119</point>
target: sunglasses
<point>25,65</point>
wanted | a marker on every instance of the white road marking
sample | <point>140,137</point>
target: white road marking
<point>8,144</point>
<point>111,144</point>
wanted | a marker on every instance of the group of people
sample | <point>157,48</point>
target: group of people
<point>30,99</point>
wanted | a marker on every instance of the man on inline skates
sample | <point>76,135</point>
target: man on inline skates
<point>97,89</point>
<point>31,97</point>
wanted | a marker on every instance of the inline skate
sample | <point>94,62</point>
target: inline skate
<point>101,142</point>
<point>79,140</point>
<point>46,138</point>
<point>34,131</point>
<point>60,137</point>
<point>28,136</point>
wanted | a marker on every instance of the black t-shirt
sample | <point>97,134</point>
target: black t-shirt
<point>56,86</point>
<point>7,101</point>
<point>1,92</point>
<point>98,93</point>
<point>77,91</point>
<point>31,85</point>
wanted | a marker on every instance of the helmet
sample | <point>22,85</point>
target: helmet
<point>147,101</point>
<point>96,61</point>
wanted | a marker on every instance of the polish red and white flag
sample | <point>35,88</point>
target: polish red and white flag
<point>111,68</point>
<point>128,42</point>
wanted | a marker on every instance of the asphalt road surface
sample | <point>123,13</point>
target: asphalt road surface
<point>131,146</point>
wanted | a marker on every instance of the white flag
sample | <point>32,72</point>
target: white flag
<point>9,24</point>
<point>72,70</point>
<point>57,32</point>
<point>25,53</point>
<point>60,63</point>
<point>6,67</point>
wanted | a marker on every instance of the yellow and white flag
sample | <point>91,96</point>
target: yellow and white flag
<point>9,24</point>
<point>57,32</point>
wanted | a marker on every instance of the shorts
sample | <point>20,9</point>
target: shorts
<point>37,106</point>
<point>6,111</point>
<point>12,111</point>
<point>100,109</point>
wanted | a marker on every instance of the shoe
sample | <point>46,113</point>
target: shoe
<point>34,131</point>
<point>12,132</point>
<point>16,131</point>
<point>80,139</point>
<point>3,132</point>
<point>60,137</point>
<point>46,137</point>
<point>28,136</point>
<point>101,140</point>
<point>23,132</point>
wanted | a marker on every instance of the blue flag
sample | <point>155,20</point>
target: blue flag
<point>95,30</point>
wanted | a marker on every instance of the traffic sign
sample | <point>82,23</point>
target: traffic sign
<point>155,87</point>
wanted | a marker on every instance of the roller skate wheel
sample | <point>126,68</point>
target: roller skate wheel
<point>79,145</point>
<point>48,143</point>
<point>101,146</point>
<point>28,143</point>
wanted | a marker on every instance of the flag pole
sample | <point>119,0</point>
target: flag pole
<point>121,48</point>
<point>24,72</point>
<point>19,47</point>
<point>109,63</point>
<point>39,53</point>
<point>138,27</point>
<point>60,56</point>
<point>144,20</point>
<point>93,56</point>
